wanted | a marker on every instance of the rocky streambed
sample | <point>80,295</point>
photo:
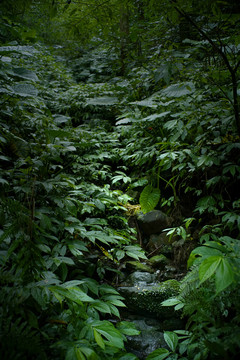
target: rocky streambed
<point>143,296</point>
<point>148,283</point>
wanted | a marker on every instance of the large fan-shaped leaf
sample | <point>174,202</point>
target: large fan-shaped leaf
<point>149,198</point>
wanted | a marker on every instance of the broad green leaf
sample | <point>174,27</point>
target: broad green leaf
<point>57,296</point>
<point>208,267</point>
<point>129,356</point>
<point>171,339</point>
<point>79,294</point>
<point>89,353</point>
<point>24,74</point>
<point>159,354</point>
<point>25,89</point>
<point>79,354</point>
<point>117,302</point>
<point>98,339</point>
<point>114,337</point>
<point>99,204</point>
<point>171,302</point>
<point>206,251</point>
<point>120,254</point>
<point>70,354</point>
<point>224,275</point>
<point>101,306</point>
<point>23,50</point>
<point>103,101</point>
<point>179,89</point>
<point>127,328</point>
<point>114,310</point>
<point>156,116</point>
<point>179,306</point>
<point>73,283</point>
<point>107,289</point>
<point>149,198</point>
<point>74,294</point>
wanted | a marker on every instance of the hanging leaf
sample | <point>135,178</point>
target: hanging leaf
<point>149,198</point>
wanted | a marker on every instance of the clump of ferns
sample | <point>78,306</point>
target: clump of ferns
<point>198,300</point>
<point>19,340</point>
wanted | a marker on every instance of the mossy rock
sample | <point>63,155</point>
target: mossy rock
<point>158,261</point>
<point>147,300</point>
<point>138,266</point>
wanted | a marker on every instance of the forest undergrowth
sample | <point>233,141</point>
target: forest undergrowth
<point>80,144</point>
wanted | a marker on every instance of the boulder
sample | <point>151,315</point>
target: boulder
<point>149,339</point>
<point>160,243</point>
<point>158,261</point>
<point>139,277</point>
<point>153,222</point>
<point>138,266</point>
<point>145,299</point>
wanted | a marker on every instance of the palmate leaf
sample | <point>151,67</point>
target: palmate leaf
<point>149,198</point>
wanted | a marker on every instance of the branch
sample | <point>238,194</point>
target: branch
<point>205,36</point>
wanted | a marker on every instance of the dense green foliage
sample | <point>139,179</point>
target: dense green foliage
<point>139,104</point>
